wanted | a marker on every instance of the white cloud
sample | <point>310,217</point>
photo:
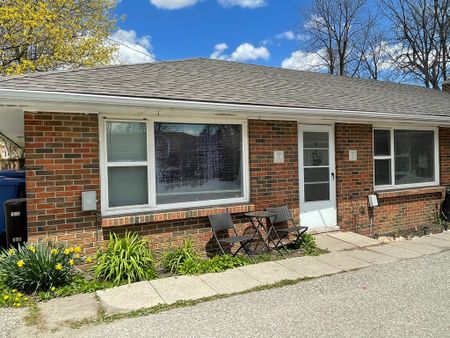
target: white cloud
<point>244,52</point>
<point>173,4</point>
<point>243,3</point>
<point>219,50</point>
<point>288,35</point>
<point>303,61</point>
<point>131,48</point>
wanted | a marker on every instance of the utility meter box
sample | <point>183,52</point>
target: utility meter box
<point>373,201</point>
<point>89,200</point>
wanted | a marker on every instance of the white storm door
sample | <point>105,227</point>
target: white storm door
<point>317,176</point>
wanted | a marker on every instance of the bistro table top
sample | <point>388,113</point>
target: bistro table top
<point>260,214</point>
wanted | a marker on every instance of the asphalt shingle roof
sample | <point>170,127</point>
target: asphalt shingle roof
<point>230,82</point>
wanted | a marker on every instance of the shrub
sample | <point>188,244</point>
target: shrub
<point>181,260</point>
<point>38,267</point>
<point>125,260</point>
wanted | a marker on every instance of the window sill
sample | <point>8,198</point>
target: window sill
<point>410,192</point>
<point>116,221</point>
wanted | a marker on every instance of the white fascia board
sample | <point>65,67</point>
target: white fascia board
<point>87,103</point>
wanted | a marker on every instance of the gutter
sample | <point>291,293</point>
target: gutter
<point>32,100</point>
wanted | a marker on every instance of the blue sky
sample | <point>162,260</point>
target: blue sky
<point>255,31</point>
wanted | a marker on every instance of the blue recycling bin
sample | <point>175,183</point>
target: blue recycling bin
<point>12,173</point>
<point>10,188</point>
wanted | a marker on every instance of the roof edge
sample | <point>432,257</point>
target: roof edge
<point>27,99</point>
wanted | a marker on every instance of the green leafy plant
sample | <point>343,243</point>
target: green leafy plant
<point>308,246</point>
<point>31,268</point>
<point>223,262</point>
<point>12,298</point>
<point>80,284</point>
<point>126,259</point>
<point>181,260</point>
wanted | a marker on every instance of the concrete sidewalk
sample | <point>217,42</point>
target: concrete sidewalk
<point>348,251</point>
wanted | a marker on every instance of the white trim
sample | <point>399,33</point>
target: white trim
<point>394,186</point>
<point>152,206</point>
<point>73,102</point>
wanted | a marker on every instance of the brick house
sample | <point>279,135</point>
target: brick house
<point>163,145</point>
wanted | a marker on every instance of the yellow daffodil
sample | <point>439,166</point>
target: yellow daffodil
<point>67,251</point>
<point>17,299</point>
<point>14,290</point>
<point>77,256</point>
<point>25,298</point>
<point>77,249</point>
<point>89,260</point>
<point>32,249</point>
<point>53,289</point>
<point>11,252</point>
<point>58,266</point>
<point>71,262</point>
<point>6,297</point>
<point>18,305</point>
<point>20,263</point>
<point>19,294</point>
<point>54,251</point>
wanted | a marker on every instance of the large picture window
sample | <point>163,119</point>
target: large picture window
<point>158,165</point>
<point>405,158</point>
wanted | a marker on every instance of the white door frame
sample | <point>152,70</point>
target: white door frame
<point>320,214</point>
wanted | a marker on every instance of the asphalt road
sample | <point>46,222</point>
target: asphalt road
<point>403,299</point>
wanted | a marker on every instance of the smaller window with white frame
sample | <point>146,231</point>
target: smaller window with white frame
<point>405,158</point>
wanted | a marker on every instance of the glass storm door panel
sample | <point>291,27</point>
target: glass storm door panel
<point>317,177</point>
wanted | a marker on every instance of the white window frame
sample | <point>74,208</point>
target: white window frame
<point>393,185</point>
<point>152,206</point>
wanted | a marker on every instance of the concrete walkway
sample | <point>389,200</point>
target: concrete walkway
<point>348,251</point>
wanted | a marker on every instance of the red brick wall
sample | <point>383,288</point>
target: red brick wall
<point>270,185</point>
<point>273,184</point>
<point>63,160</point>
<point>354,179</point>
<point>408,209</point>
<point>61,152</point>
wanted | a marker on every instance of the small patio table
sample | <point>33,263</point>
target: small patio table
<point>256,219</point>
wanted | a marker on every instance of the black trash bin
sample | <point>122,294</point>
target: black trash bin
<point>16,222</point>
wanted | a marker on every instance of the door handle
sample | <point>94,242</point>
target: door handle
<point>332,175</point>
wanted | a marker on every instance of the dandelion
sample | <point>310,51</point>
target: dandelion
<point>77,249</point>
<point>11,252</point>
<point>89,260</point>
<point>54,251</point>
<point>5,297</point>
<point>71,262</point>
<point>53,289</point>
<point>58,266</point>
<point>20,263</point>
<point>32,249</point>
